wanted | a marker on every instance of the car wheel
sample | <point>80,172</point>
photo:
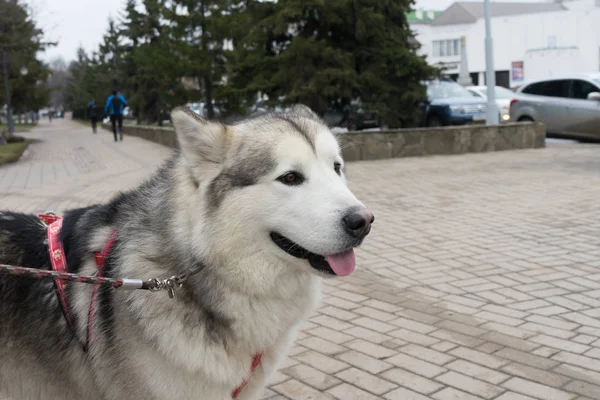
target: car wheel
<point>525,119</point>
<point>433,121</point>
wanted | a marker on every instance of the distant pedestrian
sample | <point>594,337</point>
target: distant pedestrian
<point>115,104</point>
<point>92,114</point>
<point>50,115</point>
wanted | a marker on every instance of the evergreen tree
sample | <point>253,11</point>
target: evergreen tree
<point>201,32</point>
<point>20,42</point>
<point>327,54</point>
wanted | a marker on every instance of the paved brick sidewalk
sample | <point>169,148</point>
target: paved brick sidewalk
<point>480,279</point>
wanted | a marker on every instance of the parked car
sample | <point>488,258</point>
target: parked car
<point>200,109</point>
<point>262,106</point>
<point>448,103</point>
<point>354,117</point>
<point>503,98</point>
<point>568,106</point>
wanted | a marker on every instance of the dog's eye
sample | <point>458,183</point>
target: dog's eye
<point>337,167</point>
<point>291,178</point>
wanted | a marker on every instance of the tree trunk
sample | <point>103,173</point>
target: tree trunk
<point>8,134</point>
<point>208,96</point>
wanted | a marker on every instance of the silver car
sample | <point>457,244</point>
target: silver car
<point>503,98</point>
<point>568,106</point>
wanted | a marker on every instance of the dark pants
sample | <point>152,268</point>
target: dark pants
<point>114,119</point>
<point>94,122</point>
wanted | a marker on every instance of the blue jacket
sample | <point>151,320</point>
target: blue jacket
<point>109,108</point>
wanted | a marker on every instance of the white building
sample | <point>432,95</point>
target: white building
<point>531,40</point>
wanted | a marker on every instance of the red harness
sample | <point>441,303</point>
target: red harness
<point>59,264</point>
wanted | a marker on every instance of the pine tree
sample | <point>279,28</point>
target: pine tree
<point>201,28</point>
<point>20,42</point>
<point>327,54</point>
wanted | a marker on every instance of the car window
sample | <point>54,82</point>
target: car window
<point>437,90</point>
<point>555,88</point>
<point>580,89</point>
<point>534,88</point>
<point>504,93</point>
<point>475,93</point>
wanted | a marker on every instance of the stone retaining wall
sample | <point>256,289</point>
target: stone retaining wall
<point>407,142</point>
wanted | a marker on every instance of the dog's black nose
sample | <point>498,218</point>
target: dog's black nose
<point>358,223</point>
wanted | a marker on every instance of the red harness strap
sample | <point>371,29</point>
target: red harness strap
<point>255,362</point>
<point>59,264</point>
<point>100,259</point>
<point>57,259</point>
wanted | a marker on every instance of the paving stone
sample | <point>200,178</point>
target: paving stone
<point>330,335</point>
<point>321,345</point>
<point>416,365</point>
<point>457,338</point>
<point>366,381</point>
<point>411,381</point>
<point>479,357</point>
<point>444,346</point>
<point>577,360</point>
<point>470,385</point>
<point>367,334</point>
<point>510,341</point>
<point>337,313</point>
<point>584,388</point>
<point>404,394</point>
<point>297,390</point>
<point>364,362</point>
<point>477,371</point>
<point>560,344</point>
<point>426,354</point>
<point>513,396</point>
<point>526,358</point>
<point>311,376</point>
<point>370,349</point>
<point>345,391</point>
<point>545,351</point>
<point>454,394</point>
<point>413,325</point>
<point>535,374</point>
<point>536,390</point>
<point>330,322</point>
<point>321,362</point>
<point>413,337</point>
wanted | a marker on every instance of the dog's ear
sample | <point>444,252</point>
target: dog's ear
<point>202,142</point>
<point>304,111</point>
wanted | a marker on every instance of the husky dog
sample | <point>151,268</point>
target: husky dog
<point>259,208</point>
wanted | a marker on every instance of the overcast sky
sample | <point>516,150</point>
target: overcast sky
<point>72,23</point>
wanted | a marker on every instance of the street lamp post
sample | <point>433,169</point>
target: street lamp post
<point>490,76</point>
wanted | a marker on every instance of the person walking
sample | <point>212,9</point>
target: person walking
<point>115,104</point>
<point>92,114</point>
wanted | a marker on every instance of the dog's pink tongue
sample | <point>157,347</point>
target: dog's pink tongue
<point>343,263</point>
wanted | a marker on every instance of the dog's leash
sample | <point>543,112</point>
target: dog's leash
<point>154,285</point>
<point>59,265</point>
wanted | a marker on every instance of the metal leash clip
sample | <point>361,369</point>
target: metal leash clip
<point>170,284</point>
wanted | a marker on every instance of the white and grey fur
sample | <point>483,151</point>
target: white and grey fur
<point>212,205</point>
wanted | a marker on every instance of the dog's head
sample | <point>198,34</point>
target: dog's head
<point>274,185</point>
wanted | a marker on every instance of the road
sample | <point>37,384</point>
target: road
<point>480,279</point>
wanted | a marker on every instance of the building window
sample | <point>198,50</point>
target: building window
<point>446,48</point>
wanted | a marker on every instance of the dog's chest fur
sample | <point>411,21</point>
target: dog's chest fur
<point>174,349</point>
